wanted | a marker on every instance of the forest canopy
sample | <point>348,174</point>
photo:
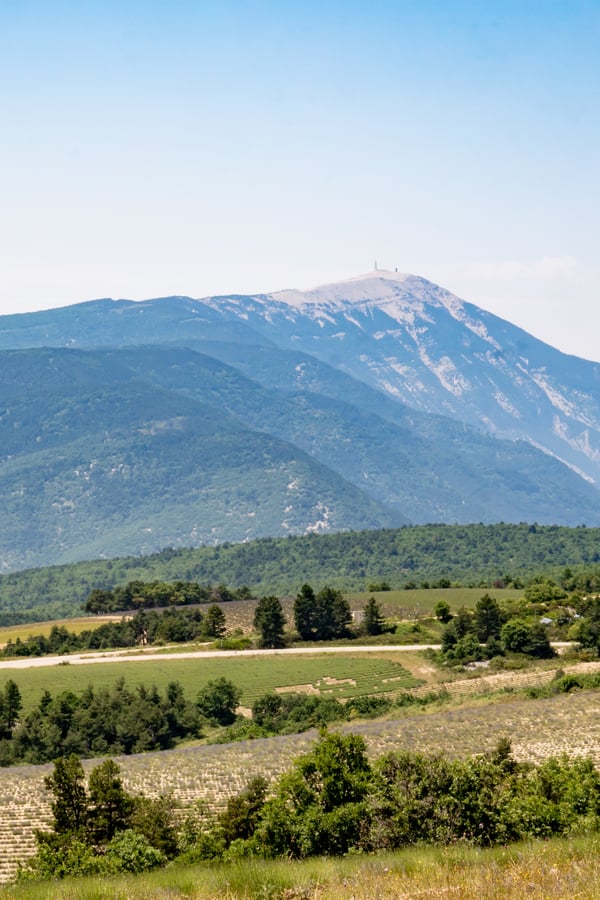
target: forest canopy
<point>471,555</point>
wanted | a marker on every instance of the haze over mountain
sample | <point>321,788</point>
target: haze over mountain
<point>369,403</point>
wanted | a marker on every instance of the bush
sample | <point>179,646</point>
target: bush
<point>218,700</point>
<point>368,707</point>
<point>130,851</point>
<point>291,713</point>
<point>442,611</point>
<point>62,857</point>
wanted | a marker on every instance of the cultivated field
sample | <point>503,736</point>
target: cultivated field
<point>421,602</point>
<point>209,774</point>
<point>408,605</point>
<point>341,675</point>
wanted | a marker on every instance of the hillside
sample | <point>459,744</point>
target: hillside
<point>112,452</point>
<point>98,462</point>
<point>470,555</point>
<point>127,427</point>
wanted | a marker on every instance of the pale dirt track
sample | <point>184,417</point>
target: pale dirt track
<point>81,659</point>
<point>129,655</point>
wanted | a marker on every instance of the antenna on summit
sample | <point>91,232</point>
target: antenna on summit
<point>375,266</point>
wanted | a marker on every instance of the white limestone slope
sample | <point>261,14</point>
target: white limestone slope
<point>428,348</point>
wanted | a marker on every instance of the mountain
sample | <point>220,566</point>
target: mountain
<point>403,335</point>
<point>128,426</point>
<point>436,353</point>
<point>96,462</point>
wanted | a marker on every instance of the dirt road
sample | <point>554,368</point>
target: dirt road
<point>79,659</point>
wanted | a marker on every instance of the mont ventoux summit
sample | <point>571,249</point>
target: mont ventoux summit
<point>127,427</point>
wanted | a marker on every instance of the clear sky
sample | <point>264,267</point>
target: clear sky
<point>178,147</point>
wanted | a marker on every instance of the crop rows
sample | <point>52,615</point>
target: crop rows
<point>537,728</point>
<point>371,674</point>
<point>239,614</point>
<point>208,774</point>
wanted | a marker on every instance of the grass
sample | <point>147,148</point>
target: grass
<point>340,675</point>
<point>419,602</point>
<point>557,870</point>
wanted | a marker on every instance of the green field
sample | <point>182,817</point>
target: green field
<point>338,675</point>
<point>422,601</point>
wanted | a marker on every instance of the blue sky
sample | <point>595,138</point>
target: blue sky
<point>208,147</point>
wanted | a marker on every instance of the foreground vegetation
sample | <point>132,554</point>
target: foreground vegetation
<point>557,869</point>
<point>332,801</point>
<point>202,777</point>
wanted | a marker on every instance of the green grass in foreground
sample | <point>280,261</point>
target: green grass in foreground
<point>339,675</point>
<point>561,868</point>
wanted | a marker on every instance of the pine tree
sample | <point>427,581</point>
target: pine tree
<point>304,613</point>
<point>269,620</point>
<point>111,805</point>
<point>214,622</point>
<point>70,807</point>
<point>373,622</point>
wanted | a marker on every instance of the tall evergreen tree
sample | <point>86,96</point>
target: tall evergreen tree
<point>70,807</point>
<point>111,805</point>
<point>269,620</point>
<point>321,617</point>
<point>488,618</point>
<point>10,707</point>
<point>304,613</point>
<point>214,622</point>
<point>373,620</point>
<point>333,615</point>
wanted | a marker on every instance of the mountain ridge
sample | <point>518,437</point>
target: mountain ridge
<point>430,378</point>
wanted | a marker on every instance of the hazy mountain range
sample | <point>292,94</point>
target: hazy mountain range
<point>129,426</point>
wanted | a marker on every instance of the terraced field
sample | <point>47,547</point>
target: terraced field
<point>537,728</point>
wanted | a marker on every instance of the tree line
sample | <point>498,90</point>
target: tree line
<point>484,556</point>
<point>113,720</point>
<point>145,627</point>
<point>122,720</point>
<point>318,616</point>
<point>139,594</point>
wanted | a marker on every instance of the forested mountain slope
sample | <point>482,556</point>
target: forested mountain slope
<point>469,554</point>
<point>402,334</point>
<point>106,452</point>
<point>98,463</point>
<point>126,427</point>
